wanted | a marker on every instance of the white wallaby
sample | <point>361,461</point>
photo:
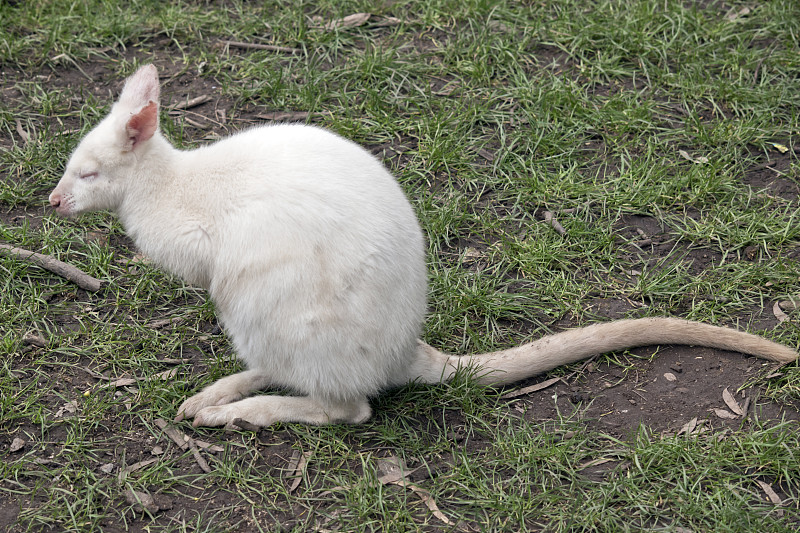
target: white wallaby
<point>315,261</point>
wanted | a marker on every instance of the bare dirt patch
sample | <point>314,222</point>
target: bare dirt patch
<point>662,393</point>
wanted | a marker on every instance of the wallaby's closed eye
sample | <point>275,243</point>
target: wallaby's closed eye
<point>315,262</point>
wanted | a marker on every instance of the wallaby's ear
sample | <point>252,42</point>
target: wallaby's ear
<point>140,97</point>
<point>141,126</point>
<point>141,88</point>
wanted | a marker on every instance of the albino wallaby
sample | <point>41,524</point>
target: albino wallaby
<point>315,261</point>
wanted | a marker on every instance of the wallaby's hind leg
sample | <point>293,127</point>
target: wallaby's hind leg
<point>226,390</point>
<point>268,410</point>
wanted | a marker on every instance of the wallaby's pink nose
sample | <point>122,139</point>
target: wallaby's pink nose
<point>55,200</point>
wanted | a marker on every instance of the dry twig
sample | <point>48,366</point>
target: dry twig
<point>74,274</point>
<point>177,437</point>
<point>259,46</point>
<point>193,102</point>
<point>184,442</point>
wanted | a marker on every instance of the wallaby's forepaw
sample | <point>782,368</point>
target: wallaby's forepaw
<point>204,399</point>
<point>224,415</point>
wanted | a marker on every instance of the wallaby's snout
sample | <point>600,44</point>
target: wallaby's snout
<point>62,203</point>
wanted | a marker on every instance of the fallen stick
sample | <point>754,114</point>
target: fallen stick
<point>74,274</point>
<point>202,463</point>
<point>194,102</point>
<point>259,46</point>
<point>181,439</point>
<point>184,442</point>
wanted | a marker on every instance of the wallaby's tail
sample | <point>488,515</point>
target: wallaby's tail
<point>514,364</point>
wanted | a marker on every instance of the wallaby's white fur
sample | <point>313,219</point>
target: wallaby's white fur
<point>315,262</point>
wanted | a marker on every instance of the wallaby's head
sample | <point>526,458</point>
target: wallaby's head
<point>96,174</point>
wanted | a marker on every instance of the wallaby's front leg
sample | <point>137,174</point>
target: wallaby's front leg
<point>268,410</point>
<point>226,390</point>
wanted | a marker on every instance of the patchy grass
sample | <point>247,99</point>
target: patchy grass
<point>659,134</point>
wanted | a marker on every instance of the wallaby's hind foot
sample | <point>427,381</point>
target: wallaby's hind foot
<point>267,410</point>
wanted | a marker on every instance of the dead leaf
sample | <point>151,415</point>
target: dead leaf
<point>669,376</point>
<point>158,324</point>
<point>138,466</point>
<point>484,153</point>
<point>733,15</point>
<point>167,374</point>
<point>429,502</point>
<point>725,414</point>
<point>99,237</point>
<point>67,408</point>
<point>139,259</point>
<point>472,254</point>
<point>121,382</point>
<point>297,465</point>
<point>26,138</point>
<point>448,89</point>
<point>123,473</point>
<point>387,21</point>
<point>595,462</point>
<point>107,468</point>
<point>176,360</point>
<point>142,500</point>
<point>391,469</point>
<point>350,21</point>
<point>550,219</point>
<point>700,159</point>
<point>533,388</point>
<point>689,427</point>
<point>791,304</point>
<point>779,314</point>
<point>731,402</point>
<point>770,492</point>
<point>16,445</point>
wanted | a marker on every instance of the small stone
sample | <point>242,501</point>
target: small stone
<point>32,339</point>
<point>669,376</point>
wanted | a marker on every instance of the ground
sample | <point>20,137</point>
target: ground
<point>86,410</point>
